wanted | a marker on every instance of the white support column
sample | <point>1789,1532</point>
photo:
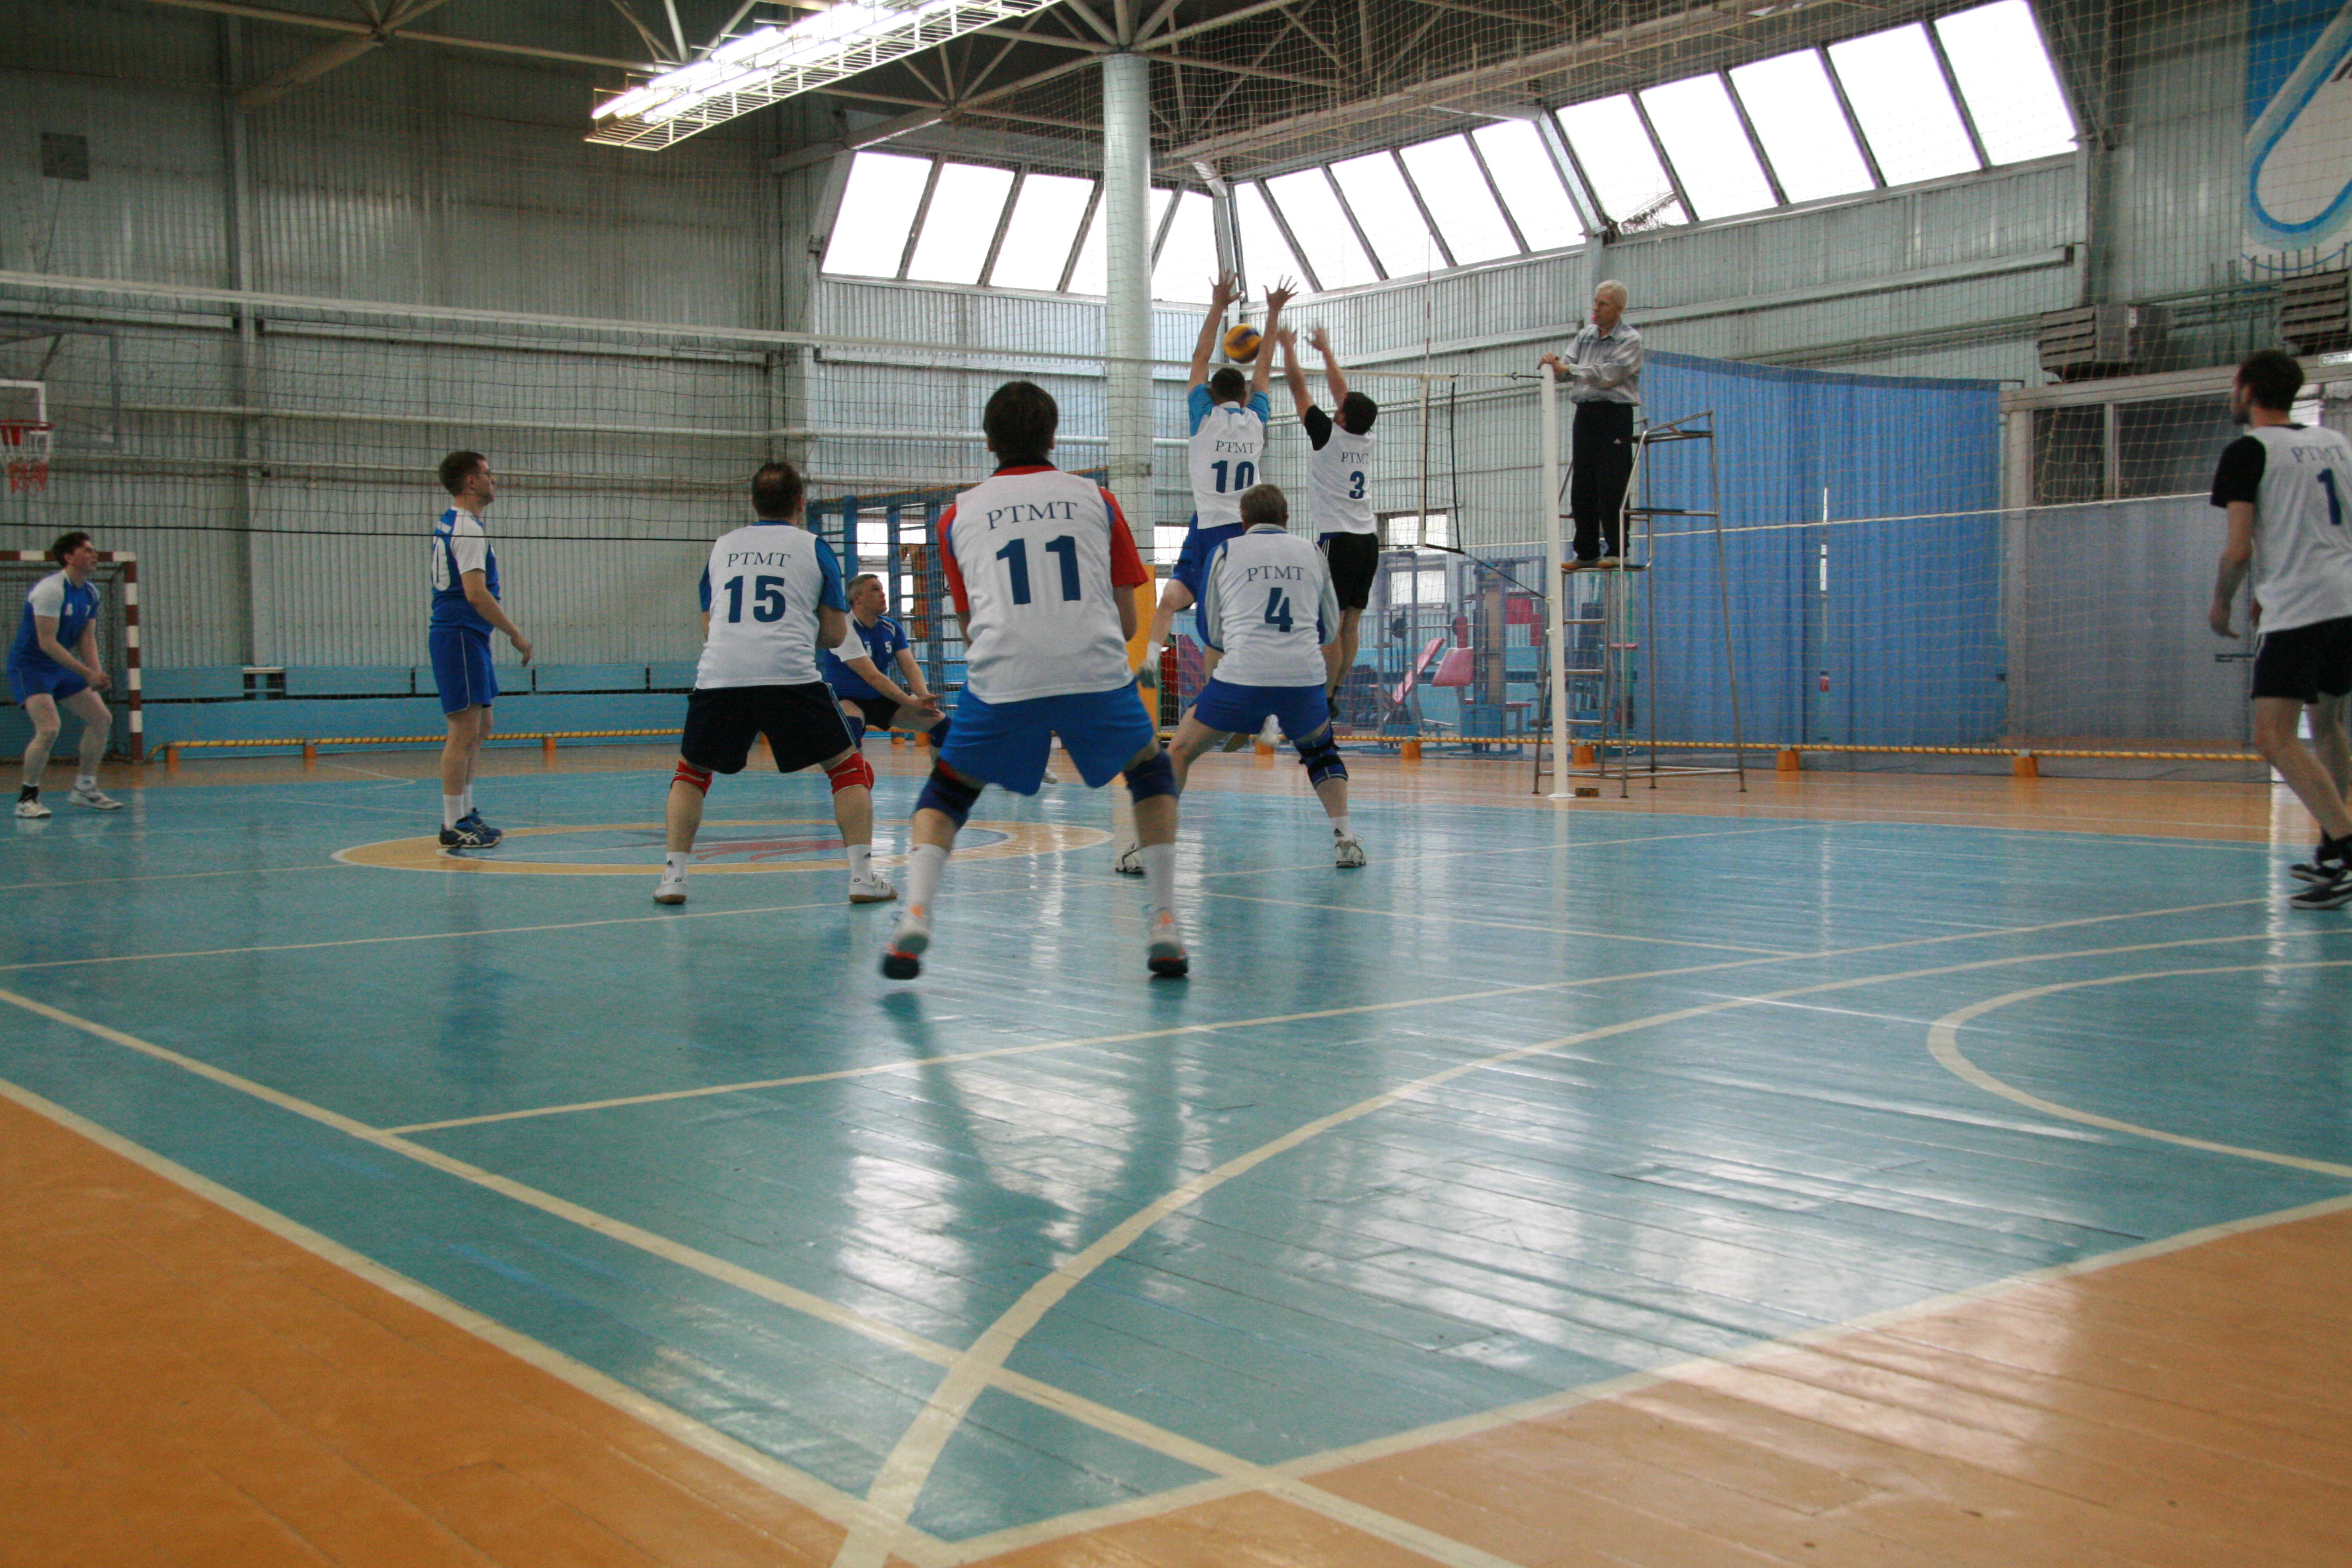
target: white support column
<point>1127,308</point>
<point>1548,510</point>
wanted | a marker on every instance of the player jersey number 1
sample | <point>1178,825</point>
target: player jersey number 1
<point>767,599</point>
<point>1244,475</point>
<point>1015,556</point>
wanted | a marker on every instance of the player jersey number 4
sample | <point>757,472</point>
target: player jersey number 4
<point>1036,559</point>
<point>1269,607</point>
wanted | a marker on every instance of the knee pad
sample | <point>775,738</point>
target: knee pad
<point>850,773</point>
<point>943,792</point>
<point>1321,758</point>
<point>687,773</point>
<point>1156,777</point>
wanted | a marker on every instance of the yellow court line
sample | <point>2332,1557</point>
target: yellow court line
<point>1944,1044</point>
<point>903,1474</point>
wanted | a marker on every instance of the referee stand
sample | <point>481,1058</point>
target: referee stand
<point>1603,627</point>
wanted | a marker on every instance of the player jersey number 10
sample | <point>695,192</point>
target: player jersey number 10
<point>1244,476</point>
<point>767,599</point>
<point>1015,556</point>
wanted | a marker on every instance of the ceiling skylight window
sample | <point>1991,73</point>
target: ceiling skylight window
<point>1897,90</point>
<point>1045,218</point>
<point>967,203</point>
<point>877,207</point>
<point>1615,154</point>
<point>2005,74</point>
<point>1531,184</point>
<point>1447,175</point>
<point>1708,146</point>
<point>1312,209</point>
<point>1795,108</point>
<point>1092,273</point>
<point>1267,256</point>
<point>1376,194</point>
<point>1188,257</point>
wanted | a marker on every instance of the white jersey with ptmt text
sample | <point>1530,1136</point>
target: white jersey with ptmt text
<point>2302,492</point>
<point>1226,457</point>
<point>1037,561</point>
<point>1338,483</point>
<point>1269,609</point>
<point>763,589</point>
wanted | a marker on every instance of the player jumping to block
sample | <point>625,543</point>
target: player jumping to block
<point>771,598</point>
<point>1338,487</point>
<point>54,663</point>
<point>1042,569</point>
<point>2287,487</point>
<point>1269,607</point>
<point>464,612</point>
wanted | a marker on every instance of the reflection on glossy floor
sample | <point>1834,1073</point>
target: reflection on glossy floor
<point>1872,1168</point>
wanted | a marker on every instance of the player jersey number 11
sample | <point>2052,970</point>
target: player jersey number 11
<point>1015,556</point>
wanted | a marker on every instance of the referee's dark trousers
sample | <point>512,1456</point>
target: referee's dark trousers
<point>1601,457</point>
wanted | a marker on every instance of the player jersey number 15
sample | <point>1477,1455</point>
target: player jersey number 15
<point>1243,475</point>
<point>767,599</point>
<point>1015,556</point>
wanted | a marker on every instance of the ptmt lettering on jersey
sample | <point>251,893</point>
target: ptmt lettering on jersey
<point>756,558</point>
<point>1267,573</point>
<point>1032,511</point>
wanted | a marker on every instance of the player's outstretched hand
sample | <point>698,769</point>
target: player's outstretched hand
<point>1225,290</point>
<point>1281,294</point>
<point>1288,339</point>
<point>1319,341</point>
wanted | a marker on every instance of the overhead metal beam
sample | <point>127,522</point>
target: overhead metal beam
<point>439,40</point>
<point>334,55</point>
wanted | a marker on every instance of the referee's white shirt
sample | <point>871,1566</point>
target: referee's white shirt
<point>763,588</point>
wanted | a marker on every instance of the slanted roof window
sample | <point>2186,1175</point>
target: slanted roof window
<point>1708,146</point>
<point>877,208</point>
<point>1188,257</point>
<point>1454,189</point>
<point>1615,153</point>
<point>1312,209</point>
<point>1267,256</point>
<point>1383,201</point>
<point>959,227</point>
<point>1091,275</point>
<point>2005,75</point>
<point>1896,87</point>
<point>1531,184</point>
<point>1794,107</point>
<point>1045,217</point>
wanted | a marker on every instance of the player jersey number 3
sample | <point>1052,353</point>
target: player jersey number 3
<point>1015,556</point>
<point>767,599</point>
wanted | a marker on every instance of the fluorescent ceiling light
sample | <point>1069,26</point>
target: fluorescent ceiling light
<point>772,63</point>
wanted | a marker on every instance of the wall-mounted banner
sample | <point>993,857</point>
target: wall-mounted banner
<point>2298,129</point>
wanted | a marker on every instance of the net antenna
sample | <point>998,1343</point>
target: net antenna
<point>26,434</point>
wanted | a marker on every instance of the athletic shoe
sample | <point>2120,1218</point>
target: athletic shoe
<point>488,835</point>
<point>871,889</point>
<point>1050,777</point>
<point>95,799</point>
<point>2311,870</point>
<point>903,958</point>
<point>471,833</point>
<point>1581,564</point>
<point>1129,862</point>
<point>672,888</point>
<point>1346,853</point>
<point>2328,895</point>
<point>1164,952</point>
<point>31,806</point>
<point>1606,564</point>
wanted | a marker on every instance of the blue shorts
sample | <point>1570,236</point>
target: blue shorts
<point>1192,561</point>
<point>34,680</point>
<point>1241,710</point>
<point>1007,743</point>
<point>461,667</point>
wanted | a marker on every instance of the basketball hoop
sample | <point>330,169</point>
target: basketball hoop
<point>24,445</point>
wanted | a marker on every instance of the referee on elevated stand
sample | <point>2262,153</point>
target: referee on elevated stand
<point>1603,372</point>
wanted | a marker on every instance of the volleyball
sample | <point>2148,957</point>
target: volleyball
<point>1240,342</point>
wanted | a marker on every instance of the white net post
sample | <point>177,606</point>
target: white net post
<point>1547,511</point>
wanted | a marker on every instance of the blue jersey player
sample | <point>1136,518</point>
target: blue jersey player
<point>874,672</point>
<point>466,610</point>
<point>54,663</point>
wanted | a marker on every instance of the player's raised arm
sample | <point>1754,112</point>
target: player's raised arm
<point>1281,294</point>
<point>1221,293</point>
<point>1334,379</point>
<point>1293,375</point>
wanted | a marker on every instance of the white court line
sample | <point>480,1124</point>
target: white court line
<point>903,1474</point>
<point>1944,1044</point>
<point>799,1487</point>
<point>986,1370</point>
<point>1443,917</point>
<point>174,876</point>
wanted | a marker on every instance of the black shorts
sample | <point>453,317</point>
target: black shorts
<point>878,711</point>
<point>802,723</point>
<point>2305,662</point>
<point>1355,560</point>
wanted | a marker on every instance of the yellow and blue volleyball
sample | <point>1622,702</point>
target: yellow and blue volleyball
<point>1240,342</point>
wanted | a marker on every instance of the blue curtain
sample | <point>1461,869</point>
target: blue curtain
<point>1893,637</point>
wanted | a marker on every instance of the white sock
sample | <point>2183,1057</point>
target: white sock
<point>1340,828</point>
<point>925,862</point>
<point>674,864</point>
<point>1158,877</point>
<point>861,861</point>
<point>86,782</point>
<point>453,807</point>
<point>467,798</point>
